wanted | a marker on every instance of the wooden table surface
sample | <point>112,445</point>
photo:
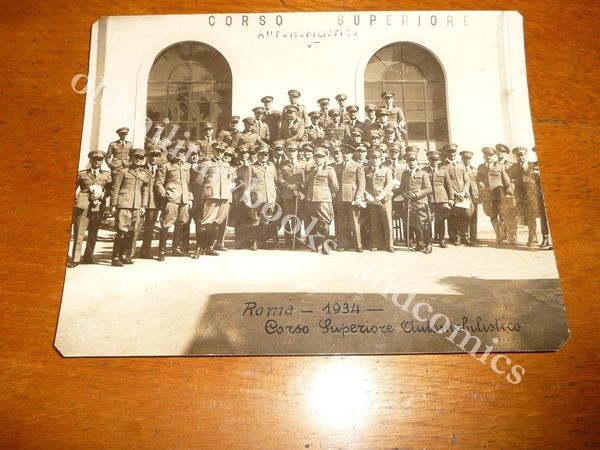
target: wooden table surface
<point>432,401</point>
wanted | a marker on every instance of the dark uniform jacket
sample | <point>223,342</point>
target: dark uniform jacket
<point>495,179</point>
<point>205,146</point>
<point>249,138</point>
<point>130,189</point>
<point>321,184</point>
<point>341,131</point>
<point>291,178</point>
<point>85,179</point>
<point>441,185</point>
<point>210,180</point>
<point>416,181</point>
<point>524,182</point>
<point>172,182</point>
<point>153,198</point>
<point>117,155</point>
<point>273,120</point>
<point>355,124</point>
<point>351,178</point>
<point>263,182</point>
<point>379,181</point>
<point>262,130</point>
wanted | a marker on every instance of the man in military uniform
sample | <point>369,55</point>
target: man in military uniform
<point>544,228</point>
<point>494,187</point>
<point>324,120</point>
<point>302,113</point>
<point>415,187</point>
<point>230,130</point>
<point>128,200</point>
<point>292,129</point>
<point>383,122</point>
<point>370,118</point>
<point>92,183</point>
<point>353,121</point>
<point>117,156</point>
<point>360,154</point>
<point>375,138</point>
<point>290,193</point>
<point>458,218</point>
<point>378,193</point>
<point>240,212</point>
<point>206,139</point>
<point>212,184</point>
<point>523,177</point>
<point>341,99</point>
<point>340,130</point>
<point>351,178</point>
<point>248,137</point>
<point>153,208</point>
<point>261,127</point>
<point>471,171</point>
<point>172,186</point>
<point>356,137</point>
<point>395,113</point>
<point>508,205</point>
<point>321,188</point>
<point>261,196</point>
<point>397,165</point>
<point>441,197</point>
<point>389,135</point>
<point>314,131</point>
<point>272,117</point>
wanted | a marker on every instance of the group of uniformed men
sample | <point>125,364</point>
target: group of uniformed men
<point>300,172</point>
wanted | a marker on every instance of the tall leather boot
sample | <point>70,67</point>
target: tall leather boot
<point>324,246</point>
<point>162,243</point>
<point>176,246</point>
<point>199,242</point>
<point>211,235</point>
<point>126,243</point>
<point>117,249</point>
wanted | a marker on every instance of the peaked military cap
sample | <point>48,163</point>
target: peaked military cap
<point>122,130</point>
<point>266,98</point>
<point>341,97</point>
<point>294,92</point>
<point>502,148</point>
<point>352,108</point>
<point>96,153</point>
<point>386,94</point>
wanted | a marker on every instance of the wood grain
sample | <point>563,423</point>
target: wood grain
<point>430,401</point>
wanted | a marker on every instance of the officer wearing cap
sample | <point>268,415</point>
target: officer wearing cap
<point>314,130</point>
<point>128,201</point>
<point>92,185</point>
<point>494,187</point>
<point>260,125</point>
<point>370,117</point>
<point>261,196</point>
<point>360,154</point>
<point>356,136</point>
<point>271,116</point>
<point>383,121</point>
<point>154,205</point>
<point>248,137</point>
<point>353,121</point>
<point>415,187</point>
<point>390,136</point>
<point>523,176</point>
<point>543,218</point>
<point>117,156</point>
<point>321,188</point>
<point>172,186</point>
<point>341,100</point>
<point>324,119</point>
<point>302,113</point>
<point>207,138</point>
<point>466,156</point>
<point>291,178</point>
<point>351,178</point>
<point>508,205</point>
<point>292,128</point>
<point>212,185</point>
<point>458,218</point>
<point>229,130</point>
<point>441,197</point>
<point>156,140</point>
<point>375,137</point>
<point>395,113</point>
<point>397,165</point>
<point>378,193</point>
<point>338,128</point>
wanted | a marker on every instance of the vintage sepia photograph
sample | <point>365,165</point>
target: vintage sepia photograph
<point>307,184</point>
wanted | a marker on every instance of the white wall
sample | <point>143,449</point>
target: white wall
<point>481,53</point>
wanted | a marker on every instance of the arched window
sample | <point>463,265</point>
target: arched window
<point>417,80</point>
<point>189,83</point>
